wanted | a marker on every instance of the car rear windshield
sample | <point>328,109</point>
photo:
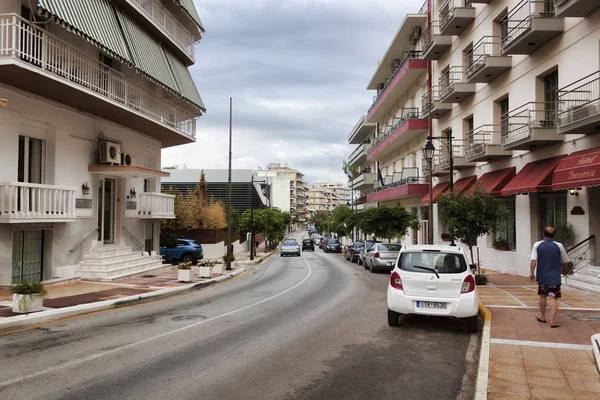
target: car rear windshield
<point>333,241</point>
<point>290,243</point>
<point>358,245</point>
<point>444,263</point>
<point>390,247</point>
<point>307,241</point>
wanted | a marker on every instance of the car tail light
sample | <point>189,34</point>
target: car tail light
<point>196,245</point>
<point>356,251</point>
<point>468,284</point>
<point>395,281</point>
<point>377,255</point>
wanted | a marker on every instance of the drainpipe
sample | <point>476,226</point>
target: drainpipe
<point>429,120</point>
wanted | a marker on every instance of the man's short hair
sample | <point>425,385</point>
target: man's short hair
<point>549,232</point>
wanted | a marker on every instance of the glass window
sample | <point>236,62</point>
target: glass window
<point>552,210</point>
<point>389,247</point>
<point>508,229</point>
<point>443,263</point>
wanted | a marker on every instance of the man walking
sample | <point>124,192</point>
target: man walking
<point>550,258</point>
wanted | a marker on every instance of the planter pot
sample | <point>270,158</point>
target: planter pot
<point>185,275</point>
<point>26,303</point>
<point>502,248</point>
<point>218,268</point>
<point>205,272</point>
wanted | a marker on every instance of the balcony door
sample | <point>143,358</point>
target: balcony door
<point>107,210</point>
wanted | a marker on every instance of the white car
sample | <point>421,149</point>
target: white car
<point>433,280</point>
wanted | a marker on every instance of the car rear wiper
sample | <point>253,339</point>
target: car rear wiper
<point>428,269</point>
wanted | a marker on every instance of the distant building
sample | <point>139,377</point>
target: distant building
<point>185,181</point>
<point>326,196</point>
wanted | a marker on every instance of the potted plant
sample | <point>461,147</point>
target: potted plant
<point>205,269</point>
<point>501,244</point>
<point>185,273</point>
<point>28,297</point>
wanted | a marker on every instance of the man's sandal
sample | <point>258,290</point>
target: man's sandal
<point>555,326</point>
<point>543,321</point>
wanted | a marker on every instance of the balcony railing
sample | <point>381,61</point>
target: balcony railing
<point>579,100</point>
<point>20,201</point>
<point>447,11</point>
<point>174,29</point>
<point>457,151</point>
<point>156,205</point>
<point>488,46</point>
<point>396,122</point>
<point>434,162</point>
<point>478,139</point>
<point>517,124</point>
<point>407,176</point>
<point>519,19</point>
<point>25,42</point>
<point>407,55</point>
<point>447,81</point>
<point>424,8</point>
<point>428,99</point>
<point>427,38</point>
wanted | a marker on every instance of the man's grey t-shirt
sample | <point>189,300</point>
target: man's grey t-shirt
<point>549,256</point>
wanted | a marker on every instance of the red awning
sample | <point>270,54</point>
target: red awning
<point>437,189</point>
<point>493,182</point>
<point>578,169</point>
<point>536,176</point>
<point>464,184</point>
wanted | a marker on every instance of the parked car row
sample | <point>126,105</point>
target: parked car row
<point>327,244</point>
<point>374,255</point>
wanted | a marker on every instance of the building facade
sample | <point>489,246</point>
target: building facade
<point>516,85</point>
<point>93,90</point>
<point>326,196</point>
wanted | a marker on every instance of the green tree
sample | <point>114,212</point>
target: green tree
<point>342,220</point>
<point>321,220</point>
<point>351,172</point>
<point>287,219</point>
<point>471,216</point>
<point>392,222</point>
<point>365,220</point>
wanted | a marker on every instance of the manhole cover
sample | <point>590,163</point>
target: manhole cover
<point>585,317</point>
<point>187,317</point>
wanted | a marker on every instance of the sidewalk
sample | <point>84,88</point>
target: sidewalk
<point>530,360</point>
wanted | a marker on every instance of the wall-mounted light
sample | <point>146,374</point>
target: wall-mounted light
<point>574,192</point>
<point>3,102</point>
<point>132,193</point>
<point>85,189</point>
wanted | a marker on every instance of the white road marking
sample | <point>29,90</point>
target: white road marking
<point>559,302</point>
<point>543,344</point>
<point>537,307</point>
<point>95,356</point>
<point>510,295</point>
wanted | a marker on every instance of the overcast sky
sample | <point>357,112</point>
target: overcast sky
<point>297,71</point>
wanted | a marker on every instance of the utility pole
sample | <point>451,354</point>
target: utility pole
<point>229,249</point>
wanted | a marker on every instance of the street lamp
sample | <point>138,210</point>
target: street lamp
<point>264,191</point>
<point>429,149</point>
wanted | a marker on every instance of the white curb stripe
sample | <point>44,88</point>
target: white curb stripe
<point>481,387</point>
<point>543,344</point>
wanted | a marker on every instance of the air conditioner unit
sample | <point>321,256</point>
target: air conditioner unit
<point>110,153</point>
<point>395,64</point>
<point>415,36</point>
<point>127,159</point>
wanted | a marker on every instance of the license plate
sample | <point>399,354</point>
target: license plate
<point>431,304</point>
<point>390,264</point>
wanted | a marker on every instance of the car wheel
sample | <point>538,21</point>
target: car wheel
<point>393,318</point>
<point>188,258</point>
<point>359,261</point>
<point>473,324</point>
<point>372,268</point>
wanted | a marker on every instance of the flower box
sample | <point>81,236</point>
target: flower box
<point>205,272</point>
<point>185,275</point>
<point>26,303</point>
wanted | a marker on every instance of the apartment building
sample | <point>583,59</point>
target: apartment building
<point>92,91</point>
<point>289,191</point>
<point>516,85</point>
<point>326,196</point>
<point>361,135</point>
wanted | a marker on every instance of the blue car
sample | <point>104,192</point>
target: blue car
<point>187,250</point>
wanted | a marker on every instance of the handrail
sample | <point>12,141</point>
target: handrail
<point>84,239</point>
<point>581,243</point>
<point>133,237</point>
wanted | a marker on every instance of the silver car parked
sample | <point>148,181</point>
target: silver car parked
<point>367,244</point>
<point>382,256</point>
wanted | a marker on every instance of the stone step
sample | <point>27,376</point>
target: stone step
<point>578,282</point>
<point>115,263</point>
<point>120,271</point>
<point>96,259</point>
<point>108,251</point>
<point>587,272</point>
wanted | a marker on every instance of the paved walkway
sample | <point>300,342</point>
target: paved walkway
<point>530,360</point>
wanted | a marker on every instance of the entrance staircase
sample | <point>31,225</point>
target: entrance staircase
<point>113,261</point>
<point>585,274</point>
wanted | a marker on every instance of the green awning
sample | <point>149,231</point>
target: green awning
<point>187,87</point>
<point>94,20</point>
<point>148,55</point>
<point>190,9</point>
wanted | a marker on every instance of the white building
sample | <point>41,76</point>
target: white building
<point>94,90</point>
<point>326,196</point>
<point>517,85</point>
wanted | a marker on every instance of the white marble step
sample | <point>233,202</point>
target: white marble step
<point>592,273</point>
<point>102,251</point>
<point>583,283</point>
<point>115,264</point>
<point>120,271</point>
<point>143,271</point>
<point>95,259</point>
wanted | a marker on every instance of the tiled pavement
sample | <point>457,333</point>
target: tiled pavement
<point>530,360</point>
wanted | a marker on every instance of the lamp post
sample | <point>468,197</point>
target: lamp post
<point>429,149</point>
<point>252,181</point>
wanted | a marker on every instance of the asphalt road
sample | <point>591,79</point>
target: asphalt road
<point>310,327</point>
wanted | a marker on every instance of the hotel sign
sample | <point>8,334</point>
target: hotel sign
<point>578,169</point>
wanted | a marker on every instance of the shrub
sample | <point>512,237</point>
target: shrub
<point>184,265</point>
<point>26,287</point>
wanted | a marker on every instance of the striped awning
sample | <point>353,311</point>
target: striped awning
<point>94,20</point>
<point>186,84</point>
<point>188,7</point>
<point>148,55</point>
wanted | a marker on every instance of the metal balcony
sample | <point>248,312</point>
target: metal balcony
<point>401,185</point>
<point>530,126</point>
<point>485,62</point>
<point>483,144</point>
<point>529,26</point>
<point>458,158</point>
<point>575,8</point>
<point>430,103</point>
<point>156,206</point>
<point>435,165</point>
<point>22,202</point>
<point>453,87</point>
<point>432,43</point>
<point>363,180</point>
<point>38,62</point>
<point>579,106</point>
<point>455,15</point>
<point>359,155</point>
<point>361,131</point>
<point>406,72</point>
<point>469,2</point>
<point>400,131</point>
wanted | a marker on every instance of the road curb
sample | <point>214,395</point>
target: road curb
<point>481,386</point>
<point>20,321</point>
